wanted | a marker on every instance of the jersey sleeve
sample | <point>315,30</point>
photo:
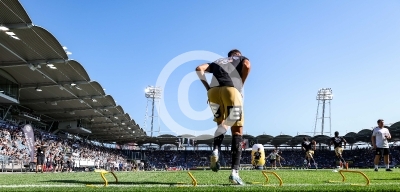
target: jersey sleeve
<point>374,132</point>
<point>211,66</point>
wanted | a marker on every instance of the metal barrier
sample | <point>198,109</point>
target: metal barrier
<point>14,166</point>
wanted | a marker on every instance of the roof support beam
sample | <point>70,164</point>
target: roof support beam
<point>115,137</point>
<point>51,84</point>
<point>113,126</point>
<point>5,64</point>
<point>18,25</point>
<point>82,117</point>
<point>59,99</point>
<point>120,122</point>
<point>77,109</point>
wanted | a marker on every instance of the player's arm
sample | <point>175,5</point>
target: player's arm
<point>245,70</point>
<point>388,136</point>
<point>201,70</point>
<point>373,139</point>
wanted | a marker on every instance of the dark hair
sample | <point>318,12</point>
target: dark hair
<point>233,52</point>
<point>305,138</point>
<point>379,121</point>
<point>336,133</point>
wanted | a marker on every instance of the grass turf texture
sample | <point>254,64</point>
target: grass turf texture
<point>293,180</point>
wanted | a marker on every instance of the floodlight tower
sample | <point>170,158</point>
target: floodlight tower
<point>153,94</point>
<point>324,96</point>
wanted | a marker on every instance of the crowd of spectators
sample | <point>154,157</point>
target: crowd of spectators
<point>65,154</point>
<point>73,154</point>
<point>294,158</point>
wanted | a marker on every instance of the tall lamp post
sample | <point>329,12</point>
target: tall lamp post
<point>324,97</point>
<point>153,94</point>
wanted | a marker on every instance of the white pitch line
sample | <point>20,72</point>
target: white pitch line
<point>186,185</point>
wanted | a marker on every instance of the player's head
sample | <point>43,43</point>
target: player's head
<point>258,149</point>
<point>234,52</point>
<point>336,133</point>
<point>380,122</point>
<point>305,139</point>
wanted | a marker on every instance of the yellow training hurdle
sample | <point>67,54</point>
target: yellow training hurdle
<point>267,178</point>
<point>102,174</point>
<point>351,171</point>
<point>194,181</point>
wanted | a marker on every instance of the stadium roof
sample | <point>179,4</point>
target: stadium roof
<point>51,85</point>
<point>363,135</point>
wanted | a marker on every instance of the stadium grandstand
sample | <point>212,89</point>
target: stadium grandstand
<point>42,87</point>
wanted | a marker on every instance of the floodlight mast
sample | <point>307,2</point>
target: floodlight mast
<point>324,96</point>
<point>152,94</point>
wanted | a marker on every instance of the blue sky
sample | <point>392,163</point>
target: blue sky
<point>295,47</point>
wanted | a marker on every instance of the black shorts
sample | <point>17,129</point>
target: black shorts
<point>256,161</point>
<point>272,160</point>
<point>382,151</point>
<point>40,160</point>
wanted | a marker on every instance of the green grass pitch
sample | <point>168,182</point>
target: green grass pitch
<point>293,180</point>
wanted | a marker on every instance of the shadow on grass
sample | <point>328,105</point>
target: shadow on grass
<point>385,179</point>
<point>111,182</point>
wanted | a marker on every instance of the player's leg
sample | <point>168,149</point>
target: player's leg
<point>337,157</point>
<point>308,154</point>
<point>311,154</point>
<point>232,100</point>
<point>386,158</point>
<point>37,163</point>
<point>216,105</point>
<point>42,164</point>
<point>378,153</point>
<point>344,163</point>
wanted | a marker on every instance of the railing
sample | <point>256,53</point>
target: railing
<point>16,166</point>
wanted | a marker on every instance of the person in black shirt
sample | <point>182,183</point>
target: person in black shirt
<point>226,102</point>
<point>337,142</point>
<point>40,161</point>
<point>257,156</point>
<point>309,147</point>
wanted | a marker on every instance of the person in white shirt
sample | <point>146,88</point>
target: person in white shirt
<point>380,136</point>
<point>272,159</point>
